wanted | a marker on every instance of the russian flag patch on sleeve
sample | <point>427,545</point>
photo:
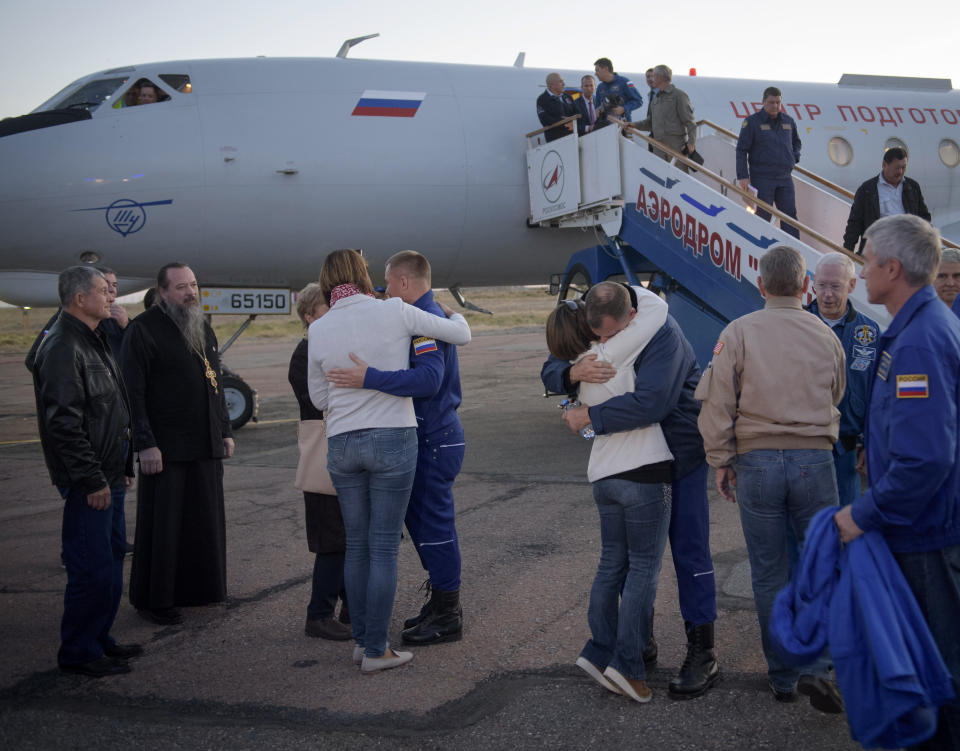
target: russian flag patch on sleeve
<point>912,386</point>
<point>423,344</point>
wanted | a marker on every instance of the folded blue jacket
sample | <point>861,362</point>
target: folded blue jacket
<point>855,600</point>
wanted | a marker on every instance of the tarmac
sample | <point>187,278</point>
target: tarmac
<point>242,675</point>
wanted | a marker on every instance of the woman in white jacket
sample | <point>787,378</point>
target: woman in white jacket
<point>372,439</point>
<point>630,472</point>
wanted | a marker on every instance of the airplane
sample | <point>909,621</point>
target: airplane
<point>252,170</point>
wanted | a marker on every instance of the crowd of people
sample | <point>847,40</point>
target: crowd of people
<point>768,145</point>
<point>378,386</point>
<point>869,433</point>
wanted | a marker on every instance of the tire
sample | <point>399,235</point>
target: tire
<point>240,400</point>
<point>575,283</point>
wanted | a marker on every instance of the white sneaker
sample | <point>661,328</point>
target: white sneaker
<point>357,654</point>
<point>590,669</point>
<point>376,664</point>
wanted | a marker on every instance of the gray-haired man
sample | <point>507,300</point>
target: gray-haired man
<point>84,419</point>
<point>769,422</point>
<point>670,116</point>
<point>833,281</point>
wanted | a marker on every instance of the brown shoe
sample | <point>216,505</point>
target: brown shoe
<point>327,628</point>
<point>631,687</point>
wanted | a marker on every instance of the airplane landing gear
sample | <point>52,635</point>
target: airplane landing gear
<point>242,401</point>
<point>575,284</point>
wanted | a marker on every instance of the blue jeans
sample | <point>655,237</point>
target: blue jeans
<point>372,471</point>
<point>776,489</point>
<point>934,577</point>
<point>634,519</point>
<point>94,544</point>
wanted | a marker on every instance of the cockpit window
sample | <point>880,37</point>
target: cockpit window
<point>91,95</point>
<point>178,82</point>
<point>143,91</point>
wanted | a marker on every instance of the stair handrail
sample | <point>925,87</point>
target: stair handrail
<point>812,175</point>
<point>741,192</point>
<point>557,124</point>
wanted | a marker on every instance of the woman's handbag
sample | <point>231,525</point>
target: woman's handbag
<point>312,474</point>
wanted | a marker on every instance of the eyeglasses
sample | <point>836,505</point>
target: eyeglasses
<point>573,305</point>
<point>824,287</point>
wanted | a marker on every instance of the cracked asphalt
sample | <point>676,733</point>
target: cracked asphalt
<point>242,675</point>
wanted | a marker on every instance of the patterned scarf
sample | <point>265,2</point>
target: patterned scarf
<point>344,290</point>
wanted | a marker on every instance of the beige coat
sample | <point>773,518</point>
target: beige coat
<point>775,381</point>
<point>670,120</point>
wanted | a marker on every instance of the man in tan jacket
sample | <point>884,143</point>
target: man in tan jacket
<point>670,117</point>
<point>769,420</point>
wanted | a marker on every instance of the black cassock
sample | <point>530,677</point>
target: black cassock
<point>178,405</point>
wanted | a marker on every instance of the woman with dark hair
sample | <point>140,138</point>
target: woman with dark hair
<point>630,472</point>
<point>372,437</point>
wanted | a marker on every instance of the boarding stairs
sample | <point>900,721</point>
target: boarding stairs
<point>693,237</point>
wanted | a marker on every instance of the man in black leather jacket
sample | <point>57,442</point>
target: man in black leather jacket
<point>84,419</point>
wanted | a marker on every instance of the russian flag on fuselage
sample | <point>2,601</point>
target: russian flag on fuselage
<point>389,103</point>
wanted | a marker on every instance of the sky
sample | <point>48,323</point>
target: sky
<point>46,44</point>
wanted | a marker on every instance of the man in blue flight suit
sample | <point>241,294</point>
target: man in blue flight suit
<point>770,146</point>
<point>833,281</point>
<point>666,377</point>
<point>613,83</point>
<point>433,380</point>
<point>913,436</point>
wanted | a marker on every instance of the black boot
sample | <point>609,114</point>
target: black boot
<point>425,610</point>
<point>700,670</point>
<point>651,651</point>
<point>443,622</point>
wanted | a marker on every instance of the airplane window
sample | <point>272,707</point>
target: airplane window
<point>840,151</point>
<point>92,95</point>
<point>149,92</point>
<point>896,143</point>
<point>949,152</point>
<point>179,82</point>
<point>143,91</point>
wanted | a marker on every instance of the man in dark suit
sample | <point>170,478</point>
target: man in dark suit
<point>553,105</point>
<point>586,105</point>
<point>889,193</point>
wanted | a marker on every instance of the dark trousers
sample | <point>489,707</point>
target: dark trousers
<point>690,547</point>
<point>431,516</point>
<point>94,544</point>
<point>327,586</point>
<point>934,578</point>
<point>779,193</point>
